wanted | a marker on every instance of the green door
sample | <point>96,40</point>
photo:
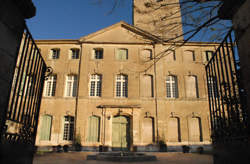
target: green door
<point>120,133</point>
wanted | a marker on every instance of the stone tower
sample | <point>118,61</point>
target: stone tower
<point>159,17</point>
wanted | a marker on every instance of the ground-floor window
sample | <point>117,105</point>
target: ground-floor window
<point>68,128</point>
<point>174,134</point>
<point>148,130</point>
<point>195,129</point>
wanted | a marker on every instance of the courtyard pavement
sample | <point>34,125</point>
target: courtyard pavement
<point>162,158</point>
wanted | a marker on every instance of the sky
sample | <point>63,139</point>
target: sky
<point>72,19</point>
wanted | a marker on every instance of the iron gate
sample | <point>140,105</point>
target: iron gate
<point>226,94</point>
<point>21,117</point>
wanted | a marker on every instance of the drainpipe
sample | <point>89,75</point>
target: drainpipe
<point>156,102</point>
<point>77,93</point>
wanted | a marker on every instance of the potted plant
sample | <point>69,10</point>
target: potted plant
<point>77,144</point>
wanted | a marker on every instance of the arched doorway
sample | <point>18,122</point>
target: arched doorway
<point>120,133</point>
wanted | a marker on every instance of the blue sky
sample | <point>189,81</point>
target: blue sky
<point>72,19</point>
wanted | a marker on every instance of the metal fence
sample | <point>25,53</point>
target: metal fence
<point>227,99</point>
<point>24,102</point>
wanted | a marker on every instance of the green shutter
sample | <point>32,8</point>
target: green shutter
<point>46,128</point>
<point>93,129</point>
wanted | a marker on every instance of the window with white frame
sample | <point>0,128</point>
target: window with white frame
<point>122,54</point>
<point>71,86</point>
<point>68,129</point>
<point>50,86</point>
<point>97,53</point>
<point>212,87</point>
<point>121,85</point>
<point>171,87</point>
<point>54,53</point>
<point>95,85</point>
<point>74,53</point>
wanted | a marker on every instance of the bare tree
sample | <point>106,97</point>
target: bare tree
<point>199,18</point>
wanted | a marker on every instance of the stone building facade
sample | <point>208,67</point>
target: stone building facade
<point>125,89</point>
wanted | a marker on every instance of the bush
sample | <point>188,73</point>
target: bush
<point>200,150</point>
<point>163,146</point>
<point>65,148</point>
<point>59,148</point>
<point>185,149</point>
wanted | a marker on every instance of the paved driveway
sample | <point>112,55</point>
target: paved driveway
<point>162,158</point>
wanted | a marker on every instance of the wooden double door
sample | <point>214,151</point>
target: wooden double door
<point>120,133</point>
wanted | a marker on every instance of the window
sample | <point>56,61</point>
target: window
<point>174,129</point>
<point>208,55</point>
<point>68,130</point>
<point>195,129</point>
<point>212,87</point>
<point>95,85</point>
<point>93,129</point>
<point>191,86</point>
<point>55,53</point>
<point>121,85</point>
<point>97,53</point>
<point>189,56</point>
<point>148,130</point>
<point>147,87</point>
<point>45,132</point>
<point>50,86</point>
<point>170,56</point>
<point>122,54</point>
<point>71,85</point>
<point>74,53</point>
<point>171,87</point>
<point>146,55</point>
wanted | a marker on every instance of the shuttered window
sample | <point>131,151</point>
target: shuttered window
<point>191,87</point>
<point>146,55</point>
<point>122,54</point>
<point>45,132</point>
<point>93,129</point>
<point>147,86</point>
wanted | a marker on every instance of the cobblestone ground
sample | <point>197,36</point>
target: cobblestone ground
<point>162,158</point>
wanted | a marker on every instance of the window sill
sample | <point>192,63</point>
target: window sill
<point>95,97</point>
